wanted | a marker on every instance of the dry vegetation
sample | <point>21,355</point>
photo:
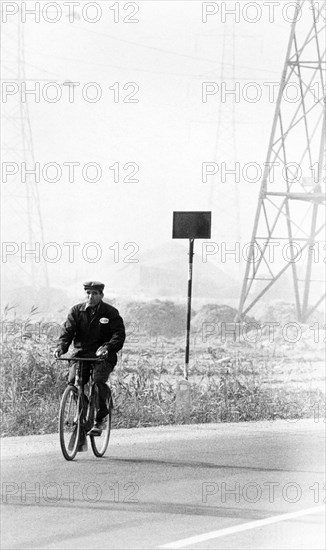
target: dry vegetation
<point>256,377</point>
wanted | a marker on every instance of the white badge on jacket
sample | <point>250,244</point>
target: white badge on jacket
<point>104,320</point>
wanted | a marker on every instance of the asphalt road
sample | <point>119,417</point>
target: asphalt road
<point>251,485</point>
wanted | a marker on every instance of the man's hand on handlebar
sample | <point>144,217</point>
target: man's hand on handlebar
<point>102,351</point>
<point>58,353</point>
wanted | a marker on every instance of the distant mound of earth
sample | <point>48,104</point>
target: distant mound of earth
<point>216,314</point>
<point>158,318</point>
<point>165,318</point>
<point>283,312</point>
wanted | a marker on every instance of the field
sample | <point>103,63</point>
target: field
<point>253,376</point>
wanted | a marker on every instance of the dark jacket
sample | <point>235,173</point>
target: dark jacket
<point>105,328</point>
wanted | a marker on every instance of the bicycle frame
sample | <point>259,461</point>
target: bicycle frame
<point>85,410</point>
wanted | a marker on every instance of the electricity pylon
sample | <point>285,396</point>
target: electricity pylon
<point>20,195</point>
<point>223,118</point>
<point>290,216</point>
<point>226,144</point>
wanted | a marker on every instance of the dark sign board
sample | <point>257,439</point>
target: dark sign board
<point>191,225</point>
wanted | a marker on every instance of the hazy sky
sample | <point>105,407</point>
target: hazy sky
<point>153,123</point>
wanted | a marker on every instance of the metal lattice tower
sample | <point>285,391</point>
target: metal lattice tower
<point>226,145</point>
<point>290,216</point>
<point>223,118</point>
<point>20,196</point>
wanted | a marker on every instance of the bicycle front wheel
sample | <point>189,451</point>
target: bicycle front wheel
<point>100,442</point>
<point>69,423</point>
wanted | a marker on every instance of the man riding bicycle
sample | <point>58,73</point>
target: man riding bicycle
<point>94,327</point>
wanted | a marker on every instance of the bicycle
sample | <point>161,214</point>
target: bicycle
<point>77,414</point>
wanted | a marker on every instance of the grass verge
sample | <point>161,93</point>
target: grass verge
<point>145,393</point>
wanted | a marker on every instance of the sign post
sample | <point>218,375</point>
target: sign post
<point>188,225</point>
<point>191,256</point>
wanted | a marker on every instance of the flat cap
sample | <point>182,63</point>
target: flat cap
<point>94,285</point>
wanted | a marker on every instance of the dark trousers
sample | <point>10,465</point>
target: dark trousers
<point>101,372</point>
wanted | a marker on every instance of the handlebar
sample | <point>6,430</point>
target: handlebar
<point>92,359</point>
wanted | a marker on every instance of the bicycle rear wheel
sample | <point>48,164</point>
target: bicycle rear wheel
<point>100,442</point>
<point>69,423</point>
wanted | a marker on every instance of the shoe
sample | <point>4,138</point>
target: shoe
<point>97,429</point>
